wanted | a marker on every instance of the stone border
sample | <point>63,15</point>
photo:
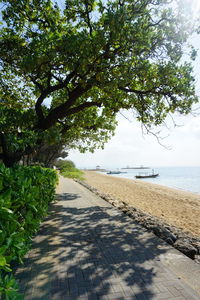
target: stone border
<point>187,244</point>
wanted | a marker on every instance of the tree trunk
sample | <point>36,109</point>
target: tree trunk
<point>10,161</point>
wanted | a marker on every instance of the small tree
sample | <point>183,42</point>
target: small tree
<point>65,164</point>
<point>69,72</point>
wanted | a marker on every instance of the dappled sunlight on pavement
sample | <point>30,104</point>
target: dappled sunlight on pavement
<point>88,250</point>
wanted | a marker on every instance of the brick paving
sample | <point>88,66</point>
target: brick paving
<point>88,250</point>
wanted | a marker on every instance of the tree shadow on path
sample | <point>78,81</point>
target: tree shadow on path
<point>93,253</point>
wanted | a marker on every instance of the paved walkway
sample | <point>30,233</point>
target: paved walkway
<point>88,250</point>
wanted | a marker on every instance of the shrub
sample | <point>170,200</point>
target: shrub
<point>25,193</point>
<point>67,169</point>
<point>65,164</point>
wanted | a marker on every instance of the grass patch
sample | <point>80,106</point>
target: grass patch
<point>74,174</point>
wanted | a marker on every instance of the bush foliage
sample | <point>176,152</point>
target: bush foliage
<point>25,193</point>
<point>65,164</point>
<point>67,169</point>
<point>92,58</point>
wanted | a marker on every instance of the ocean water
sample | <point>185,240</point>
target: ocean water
<point>183,178</point>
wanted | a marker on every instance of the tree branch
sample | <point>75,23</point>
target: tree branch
<point>158,22</point>
<point>60,111</point>
<point>48,91</point>
<point>65,127</point>
<point>88,17</point>
<point>38,106</point>
<point>140,92</point>
<point>81,107</point>
<point>36,83</point>
<point>57,78</point>
<point>124,89</point>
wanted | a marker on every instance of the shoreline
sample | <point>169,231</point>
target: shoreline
<point>147,182</point>
<point>154,183</point>
<point>176,207</point>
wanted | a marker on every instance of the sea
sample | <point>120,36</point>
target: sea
<point>183,178</point>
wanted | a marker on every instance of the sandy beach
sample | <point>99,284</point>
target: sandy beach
<point>176,207</point>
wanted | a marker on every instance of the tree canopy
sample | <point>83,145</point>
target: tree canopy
<point>66,73</point>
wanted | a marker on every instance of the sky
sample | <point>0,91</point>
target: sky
<point>179,146</point>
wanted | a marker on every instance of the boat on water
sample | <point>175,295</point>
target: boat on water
<point>147,175</point>
<point>113,172</point>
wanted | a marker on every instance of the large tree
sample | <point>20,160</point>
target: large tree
<point>70,71</point>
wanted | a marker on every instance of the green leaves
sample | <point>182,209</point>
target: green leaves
<point>24,197</point>
<point>9,288</point>
<point>67,72</point>
<point>2,261</point>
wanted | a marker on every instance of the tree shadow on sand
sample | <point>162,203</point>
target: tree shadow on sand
<point>91,253</point>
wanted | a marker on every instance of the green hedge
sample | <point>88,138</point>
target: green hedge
<point>25,193</point>
<point>67,169</point>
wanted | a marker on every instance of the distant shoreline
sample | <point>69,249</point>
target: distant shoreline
<point>181,178</point>
<point>136,168</point>
<point>174,206</point>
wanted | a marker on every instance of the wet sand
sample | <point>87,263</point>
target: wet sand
<point>176,207</point>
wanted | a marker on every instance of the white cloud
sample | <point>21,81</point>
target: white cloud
<point>130,147</point>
